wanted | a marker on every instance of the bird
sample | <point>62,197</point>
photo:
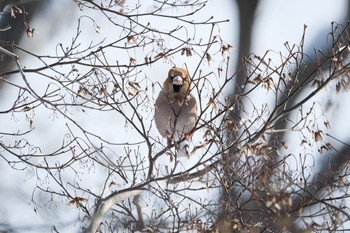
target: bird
<point>175,107</point>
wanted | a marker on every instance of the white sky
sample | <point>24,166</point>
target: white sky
<point>277,22</point>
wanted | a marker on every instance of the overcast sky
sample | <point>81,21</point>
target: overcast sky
<point>277,22</point>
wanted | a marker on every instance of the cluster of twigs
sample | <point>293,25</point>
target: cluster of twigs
<point>240,173</point>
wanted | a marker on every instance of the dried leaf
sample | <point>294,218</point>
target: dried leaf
<point>277,206</point>
<point>318,136</point>
<point>159,55</point>
<point>113,184</point>
<point>207,133</point>
<point>212,103</point>
<point>300,211</point>
<point>131,38</point>
<point>303,142</point>
<point>284,144</point>
<point>257,79</point>
<point>188,52</point>
<point>83,90</point>
<point>26,109</point>
<point>208,58</point>
<point>30,32</point>
<point>325,147</point>
<point>77,201</point>
<point>267,149</point>
<point>326,123</point>
<point>344,84</point>
<point>337,87</point>
<point>269,204</point>
<point>219,71</point>
<point>153,89</point>
<point>342,180</point>
<point>328,146</point>
<point>132,61</point>
<point>195,149</point>
<point>135,86</point>
<point>103,90</point>
<point>15,10</point>
<point>199,225</point>
<point>116,88</point>
<point>225,48</point>
<point>71,202</point>
<point>316,83</point>
<point>97,29</point>
<point>121,2</point>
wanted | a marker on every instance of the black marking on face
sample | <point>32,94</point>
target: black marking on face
<point>176,88</point>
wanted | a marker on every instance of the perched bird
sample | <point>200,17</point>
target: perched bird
<point>176,107</point>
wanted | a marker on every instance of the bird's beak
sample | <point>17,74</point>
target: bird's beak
<point>178,80</point>
<point>177,83</point>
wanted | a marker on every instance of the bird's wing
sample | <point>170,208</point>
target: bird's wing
<point>164,115</point>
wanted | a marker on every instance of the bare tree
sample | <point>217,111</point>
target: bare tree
<point>108,161</point>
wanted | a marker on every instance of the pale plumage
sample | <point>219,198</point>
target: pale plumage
<point>176,108</point>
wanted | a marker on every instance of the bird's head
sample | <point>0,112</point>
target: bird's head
<point>177,84</point>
